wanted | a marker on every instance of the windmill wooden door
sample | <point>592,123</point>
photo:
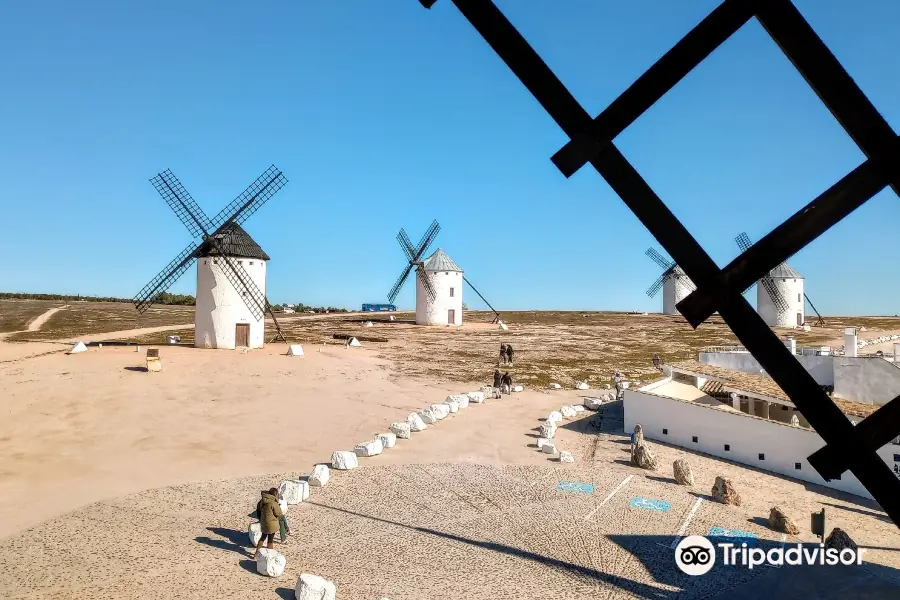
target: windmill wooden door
<point>241,335</point>
<point>451,317</point>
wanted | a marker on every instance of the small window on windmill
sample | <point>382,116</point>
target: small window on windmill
<point>215,261</point>
<point>251,263</point>
<point>451,292</point>
<point>240,262</point>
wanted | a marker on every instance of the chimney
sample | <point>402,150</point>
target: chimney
<point>791,344</point>
<point>850,341</point>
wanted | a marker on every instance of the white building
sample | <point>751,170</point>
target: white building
<point>743,417</point>
<point>447,280</point>
<point>223,319</point>
<point>676,287</point>
<point>789,285</point>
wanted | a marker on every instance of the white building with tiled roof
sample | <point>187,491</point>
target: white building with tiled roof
<point>222,318</point>
<point>447,280</point>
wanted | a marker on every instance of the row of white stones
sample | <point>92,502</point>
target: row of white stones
<point>546,443</point>
<point>271,562</point>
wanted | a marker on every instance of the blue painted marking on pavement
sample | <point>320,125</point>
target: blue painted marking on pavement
<point>649,504</point>
<point>730,534</point>
<point>574,486</point>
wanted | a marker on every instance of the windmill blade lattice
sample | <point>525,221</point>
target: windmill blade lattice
<point>414,256</point>
<point>659,259</point>
<point>250,200</point>
<point>656,285</point>
<point>778,300</point>
<point>182,204</point>
<point>165,278</point>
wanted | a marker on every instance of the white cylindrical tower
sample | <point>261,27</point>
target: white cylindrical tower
<point>447,280</point>
<point>850,341</point>
<point>676,288</point>
<point>223,318</point>
<point>789,285</point>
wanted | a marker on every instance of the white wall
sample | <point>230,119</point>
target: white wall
<point>872,380</point>
<point>436,312</point>
<point>675,289</point>
<point>220,307</point>
<point>792,291</point>
<point>820,367</point>
<point>747,437</point>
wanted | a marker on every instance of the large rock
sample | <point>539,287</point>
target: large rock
<point>428,417</point>
<point>779,521</point>
<point>555,386</point>
<point>270,563</point>
<point>592,403</point>
<point>554,417</point>
<point>294,492</point>
<point>578,408</point>
<point>839,540</point>
<point>549,448</point>
<point>548,430</point>
<point>566,457</point>
<point>388,440</point>
<point>415,422</point>
<point>343,460</point>
<point>567,411</point>
<point>254,532</point>
<point>440,410</point>
<point>369,448</point>
<point>724,491</point>
<point>400,429</point>
<point>541,442</point>
<point>486,390</point>
<point>518,388</point>
<point>643,458</point>
<point>319,476</point>
<point>452,405</point>
<point>462,400</point>
<point>582,385</point>
<point>682,472</point>
<point>313,587</point>
<point>476,397</point>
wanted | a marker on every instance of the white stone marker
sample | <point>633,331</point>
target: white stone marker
<point>294,492</point>
<point>567,411</point>
<point>554,417</point>
<point>578,408</point>
<point>592,403</point>
<point>549,448</point>
<point>313,587</point>
<point>415,422</point>
<point>270,563</point>
<point>369,448</point>
<point>388,440</point>
<point>566,457</point>
<point>476,397</point>
<point>400,429</point>
<point>462,400</point>
<point>548,430</point>
<point>427,415</point>
<point>452,406</point>
<point>440,410</point>
<point>541,442</point>
<point>343,460</point>
<point>255,533</point>
<point>319,476</point>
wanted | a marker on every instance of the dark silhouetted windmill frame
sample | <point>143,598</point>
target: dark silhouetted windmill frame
<point>591,141</point>
<point>210,232</point>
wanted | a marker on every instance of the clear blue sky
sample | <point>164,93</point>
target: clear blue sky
<point>382,114</point>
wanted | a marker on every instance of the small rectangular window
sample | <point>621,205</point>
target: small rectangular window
<point>666,432</point>
<point>727,447</point>
<point>762,457</point>
<point>797,466</point>
<point>451,292</point>
<point>240,262</point>
<point>798,297</point>
<point>783,407</point>
<point>897,458</point>
<point>251,263</point>
<point>694,439</point>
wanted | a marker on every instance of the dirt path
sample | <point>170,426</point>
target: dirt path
<point>39,321</point>
<point>125,333</point>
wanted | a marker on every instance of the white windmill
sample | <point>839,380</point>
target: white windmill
<point>231,267</point>
<point>675,283</point>
<point>779,295</point>
<point>439,282</point>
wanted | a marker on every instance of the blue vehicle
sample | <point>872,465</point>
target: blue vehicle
<point>379,308</point>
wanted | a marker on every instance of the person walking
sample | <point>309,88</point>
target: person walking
<point>620,389</point>
<point>498,381</point>
<point>509,354</point>
<point>506,383</point>
<point>270,516</point>
<point>502,354</point>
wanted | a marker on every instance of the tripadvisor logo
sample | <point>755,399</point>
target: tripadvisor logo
<point>696,555</point>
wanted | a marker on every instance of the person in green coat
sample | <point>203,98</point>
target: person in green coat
<point>270,516</point>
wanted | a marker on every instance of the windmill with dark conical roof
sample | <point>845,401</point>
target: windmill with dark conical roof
<point>439,281</point>
<point>231,266</point>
